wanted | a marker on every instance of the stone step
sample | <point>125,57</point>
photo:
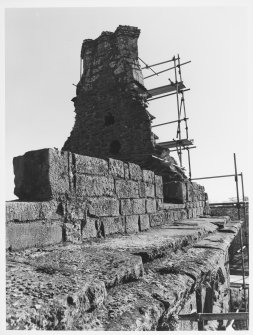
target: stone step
<point>102,284</point>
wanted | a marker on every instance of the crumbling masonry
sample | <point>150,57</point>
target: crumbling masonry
<point>91,244</point>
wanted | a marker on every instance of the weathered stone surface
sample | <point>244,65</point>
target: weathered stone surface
<point>103,206</point>
<point>158,186</point>
<point>113,225</point>
<point>19,211</point>
<point>90,165</point>
<point>148,176</point>
<point>144,222</point>
<point>126,171</point>
<point>42,174</point>
<point>116,168</point>
<point>151,205</point>
<point>32,234</point>
<point>138,206</point>
<point>127,189</point>
<point>135,172</point>
<point>53,289</point>
<point>157,219</point>
<point>94,186</point>
<point>133,206</point>
<point>132,224</point>
<point>149,190</point>
<point>64,287</point>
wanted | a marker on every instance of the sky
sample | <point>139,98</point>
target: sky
<point>42,59</point>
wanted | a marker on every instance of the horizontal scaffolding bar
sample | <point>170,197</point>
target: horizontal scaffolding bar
<point>214,316</point>
<point>227,203</point>
<point>176,143</point>
<point>176,121</point>
<point>165,89</point>
<point>148,66</point>
<point>170,68</point>
<point>166,95</point>
<point>223,176</point>
<point>186,148</point>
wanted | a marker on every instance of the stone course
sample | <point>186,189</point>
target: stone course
<point>92,197</point>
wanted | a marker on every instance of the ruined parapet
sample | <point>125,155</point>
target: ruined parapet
<point>69,197</point>
<point>111,115</point>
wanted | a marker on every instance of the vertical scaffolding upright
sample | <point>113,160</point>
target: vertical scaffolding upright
<point>176,87</point>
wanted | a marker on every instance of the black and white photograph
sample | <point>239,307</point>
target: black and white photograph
<point>125,133</point>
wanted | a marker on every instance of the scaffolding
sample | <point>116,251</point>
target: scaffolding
<point>177,88</point>
<point>239,204</point>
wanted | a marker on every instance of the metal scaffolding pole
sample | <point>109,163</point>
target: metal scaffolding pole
<point>241,237</point>
<point>178,114</point>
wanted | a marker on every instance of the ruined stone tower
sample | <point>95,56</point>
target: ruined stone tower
<point>110,103</point>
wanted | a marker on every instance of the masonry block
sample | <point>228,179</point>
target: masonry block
<point>42,175</point>
<point>94,186</point>
<point>148,176</point>
<point>103,206</point>
<point>157,219</point>
<point>138,206</point>
<point>132,224</point>
<point>127,189</point>
<point>158,186</point>
<point>90,165</point>
<point>135,172</point>
<point>149,190</point>
<point>32,234</point>
<point>175,192</point>
<point>144,222</point>
<point>73,231</point>
<point>113,225</point>
<point>116,168</point>
<point>168,217</point>
<point>90,228</point>
<point>126,171</point>
<point>132,206</point>
<point>151,205</point>
<point>19,211</point>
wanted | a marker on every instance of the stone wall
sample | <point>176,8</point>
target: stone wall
<point>232,212</point>
<point>69,197</point>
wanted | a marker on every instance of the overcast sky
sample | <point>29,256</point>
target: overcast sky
<point>42,62</point>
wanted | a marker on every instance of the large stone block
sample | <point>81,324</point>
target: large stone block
<point>90,165</point>
<point>157,219</point>
<point>158,186</point>
<point>132,206</point>
<point>144,222</point>
<point>127,189</point>
<point>94,186</point>
<point>138,206</point>
<point>148,176</point>
<point>103,206</point>
<point>113,225</point>
<point>135,172</point>
<point>132,225</point>
<point>116,168</point>
<point>90,228</point>
<point>151,205</point>
<point>18,211</point>
<point>175,192</point>
<point>32,234</point>
<point>42,174</point>
<point>149,190</point>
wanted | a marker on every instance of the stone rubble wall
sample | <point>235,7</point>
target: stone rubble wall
<point>69,197</point>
